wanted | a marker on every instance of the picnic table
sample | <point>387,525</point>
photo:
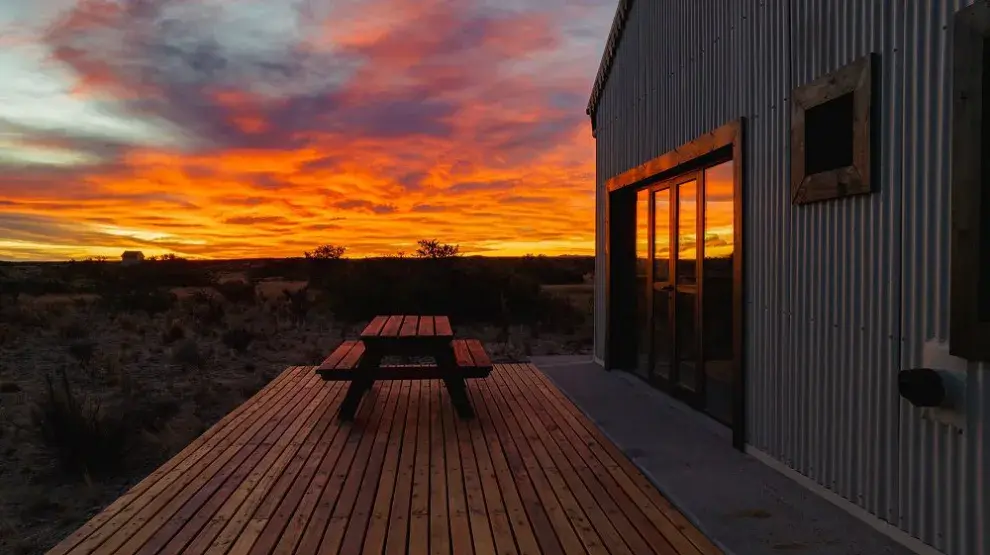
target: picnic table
<point>360,361</point>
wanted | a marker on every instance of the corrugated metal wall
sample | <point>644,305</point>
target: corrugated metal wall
<point>839,295</point>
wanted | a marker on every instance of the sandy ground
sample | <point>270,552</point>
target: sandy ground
<point>175,373</point>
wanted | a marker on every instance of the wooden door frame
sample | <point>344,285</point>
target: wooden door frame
<point>723,144</point>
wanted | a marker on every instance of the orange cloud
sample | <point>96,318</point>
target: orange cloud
<point>384,124</point>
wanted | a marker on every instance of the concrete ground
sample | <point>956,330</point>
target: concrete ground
<point>742,504</point>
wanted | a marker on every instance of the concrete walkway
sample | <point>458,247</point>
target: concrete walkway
<point>742,504</point>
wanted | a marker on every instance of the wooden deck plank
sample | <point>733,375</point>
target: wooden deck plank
<point>591,474</point>
<point>549,482</point>
<point>361,476</point>
<point>355,454</point>
<point>121,526</point>
<point>368,522</point>
<point>283,526</point>
<point>217,506</point>
<point>396,522</point>
<point>629,514</point>
<point>460,525</point>
<point>530,474</point>
<point>481,526</point>
<point>439,510</point>
<point>419,502</point>
<point>172,514</point>
<point>197,449</point>
<point>257,503</point>
<point>530,417</point>
<point>553,532</point>
<point>488,514</point>
<point>520,527</point>
<point>662,513</point>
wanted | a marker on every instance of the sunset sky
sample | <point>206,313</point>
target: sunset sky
<point>248,128</point>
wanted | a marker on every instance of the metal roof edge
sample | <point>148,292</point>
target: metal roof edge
<point>608,57</point>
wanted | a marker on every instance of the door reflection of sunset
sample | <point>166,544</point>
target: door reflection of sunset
<point>719,218</point>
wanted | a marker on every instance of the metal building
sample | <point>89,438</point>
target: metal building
<point>789,226</point>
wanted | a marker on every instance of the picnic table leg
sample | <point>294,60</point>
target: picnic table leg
<point>457,389</point>
<point>356,390</point>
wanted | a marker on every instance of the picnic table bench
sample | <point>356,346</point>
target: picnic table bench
<point>360,361</point>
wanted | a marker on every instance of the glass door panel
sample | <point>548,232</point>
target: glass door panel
<point>642,283</point>
<point>662,284</point>
<point>717,274</point>
<point>686,286</point>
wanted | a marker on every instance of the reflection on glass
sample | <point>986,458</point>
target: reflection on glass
<point>687,232</point>
<point>642,264</point>
<point>687,274</point>
<point>717,304</point>
<point>661,237</point>
<point>661,277</point>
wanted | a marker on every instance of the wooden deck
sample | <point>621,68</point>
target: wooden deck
<point>282,475</point>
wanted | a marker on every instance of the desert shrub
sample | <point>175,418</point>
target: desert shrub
<point>298,302</point>
<point>82,351</point>
<point>206,308</point>
<point>9,387</point>
<point>187,354</point>
<point>8,334</point>
<point>552,270</point>
<point>173,333</point>
<point>72,329</point>
<point>85,439</point>
<point>166,273</point>
<point>238,292</point>
<point>149,300</point>
<point>237,338</point>
<point>289,269</point>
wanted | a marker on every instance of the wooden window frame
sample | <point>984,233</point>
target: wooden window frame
<point>857,79</point>
<point>969,336</point>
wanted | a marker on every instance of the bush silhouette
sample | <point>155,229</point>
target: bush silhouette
<point>86,440</point>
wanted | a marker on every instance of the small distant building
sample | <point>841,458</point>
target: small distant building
<point>131,257</point>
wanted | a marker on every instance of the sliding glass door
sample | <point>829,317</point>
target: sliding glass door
<point>684,281</point>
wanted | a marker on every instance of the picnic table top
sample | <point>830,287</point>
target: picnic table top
<point>407,326</point>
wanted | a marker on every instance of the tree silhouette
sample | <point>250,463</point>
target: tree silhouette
<point>432,248</point>
<point>326,252</point>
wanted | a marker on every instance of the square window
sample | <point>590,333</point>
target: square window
<point>831,136</point>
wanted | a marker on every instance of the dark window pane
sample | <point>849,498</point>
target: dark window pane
<point>828,135</point>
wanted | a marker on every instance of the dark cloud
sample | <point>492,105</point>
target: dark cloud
<point>269,181</point>
<point>364,205</point>
<point>471,186</point>
<point>526,200</point>
<point>255,220</point>
<point>426,208</point>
